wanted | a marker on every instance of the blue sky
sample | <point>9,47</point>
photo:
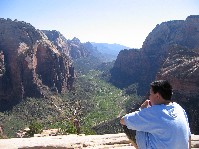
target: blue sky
<point>126,22</point>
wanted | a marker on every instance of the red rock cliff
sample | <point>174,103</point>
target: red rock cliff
<point>170,52</point>
<point>134,64</point>
<point>73,48</point>
<point>30,64</point>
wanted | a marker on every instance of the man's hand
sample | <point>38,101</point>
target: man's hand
<point>146,104</point>
<point>122,121</point>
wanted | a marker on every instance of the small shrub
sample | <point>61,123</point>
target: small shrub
<point>65,127</point>
<point>87,131</point>
<point>35,128</point>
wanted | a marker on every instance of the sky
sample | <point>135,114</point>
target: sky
<point>125,22</point>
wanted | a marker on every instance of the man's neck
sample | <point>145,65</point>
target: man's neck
<point>163,101</point>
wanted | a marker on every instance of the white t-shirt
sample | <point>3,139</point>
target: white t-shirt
<point>160,127</point>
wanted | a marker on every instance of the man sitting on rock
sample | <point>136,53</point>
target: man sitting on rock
<point>160,123</point>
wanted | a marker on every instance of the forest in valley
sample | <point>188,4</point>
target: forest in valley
<point>93,100</point>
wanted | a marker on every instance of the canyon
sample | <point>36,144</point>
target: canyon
<point>171,52</point>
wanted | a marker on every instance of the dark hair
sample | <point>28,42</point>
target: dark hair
<point>163,87</point>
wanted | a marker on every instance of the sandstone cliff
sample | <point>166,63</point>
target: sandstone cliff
<point>170,52</point>
<point>58,40</point>
<point>73,48</point>
<point>142,65</point>
<point>132,66</point>
<point>30,64</point>
<point>77,49</point>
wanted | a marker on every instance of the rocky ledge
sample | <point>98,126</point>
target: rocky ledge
<point>117,141</point>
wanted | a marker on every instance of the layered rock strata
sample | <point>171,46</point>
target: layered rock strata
<point>73,48</point>
<point>30,64</point>
<point>181,68</point>
<point>142,65</point>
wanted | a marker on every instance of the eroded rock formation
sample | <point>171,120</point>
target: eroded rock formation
<point>142,65</point>
<point>30,64</point>
<point>58,40</point>
<point>170,52</point>
<point>73,48</point>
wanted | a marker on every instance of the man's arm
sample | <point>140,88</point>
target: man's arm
<point>144,105</point>
<point>130,133</point>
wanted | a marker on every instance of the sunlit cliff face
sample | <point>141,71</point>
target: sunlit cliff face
<point>170,52</point>
<point>29,63</point>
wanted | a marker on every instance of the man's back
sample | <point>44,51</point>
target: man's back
<point>161,126</point>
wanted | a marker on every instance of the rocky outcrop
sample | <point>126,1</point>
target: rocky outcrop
<point>142,65</point>
<point>30,64</point>
<point>73,48</point>
<point>132,66</point>
<point>79,50</point>
<point>181,69</point>
<point>58,40</point>
<point>170,52</point>
<point>117,141</point>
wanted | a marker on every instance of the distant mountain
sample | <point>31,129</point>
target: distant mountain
<point>73,48</point>
<point>110,51</point>
<point>76,49</point>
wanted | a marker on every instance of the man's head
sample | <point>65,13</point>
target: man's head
<point>160,89</point>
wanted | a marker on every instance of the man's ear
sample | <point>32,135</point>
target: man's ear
<point>158,96</point>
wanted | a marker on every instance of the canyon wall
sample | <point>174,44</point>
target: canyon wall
<point>170,51</point>
<point>30,64</point>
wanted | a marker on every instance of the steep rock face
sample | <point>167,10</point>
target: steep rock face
<point>144,63</point>
<point>130,67</point>
<point>74,48</point>
<point>78,49</point>
<point>30,64</point>
<point>170,52</point>
<point>181,68</point>
<point>58,40</point>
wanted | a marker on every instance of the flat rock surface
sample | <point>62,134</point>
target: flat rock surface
<point>117,141</point>
<point>68,142</point>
